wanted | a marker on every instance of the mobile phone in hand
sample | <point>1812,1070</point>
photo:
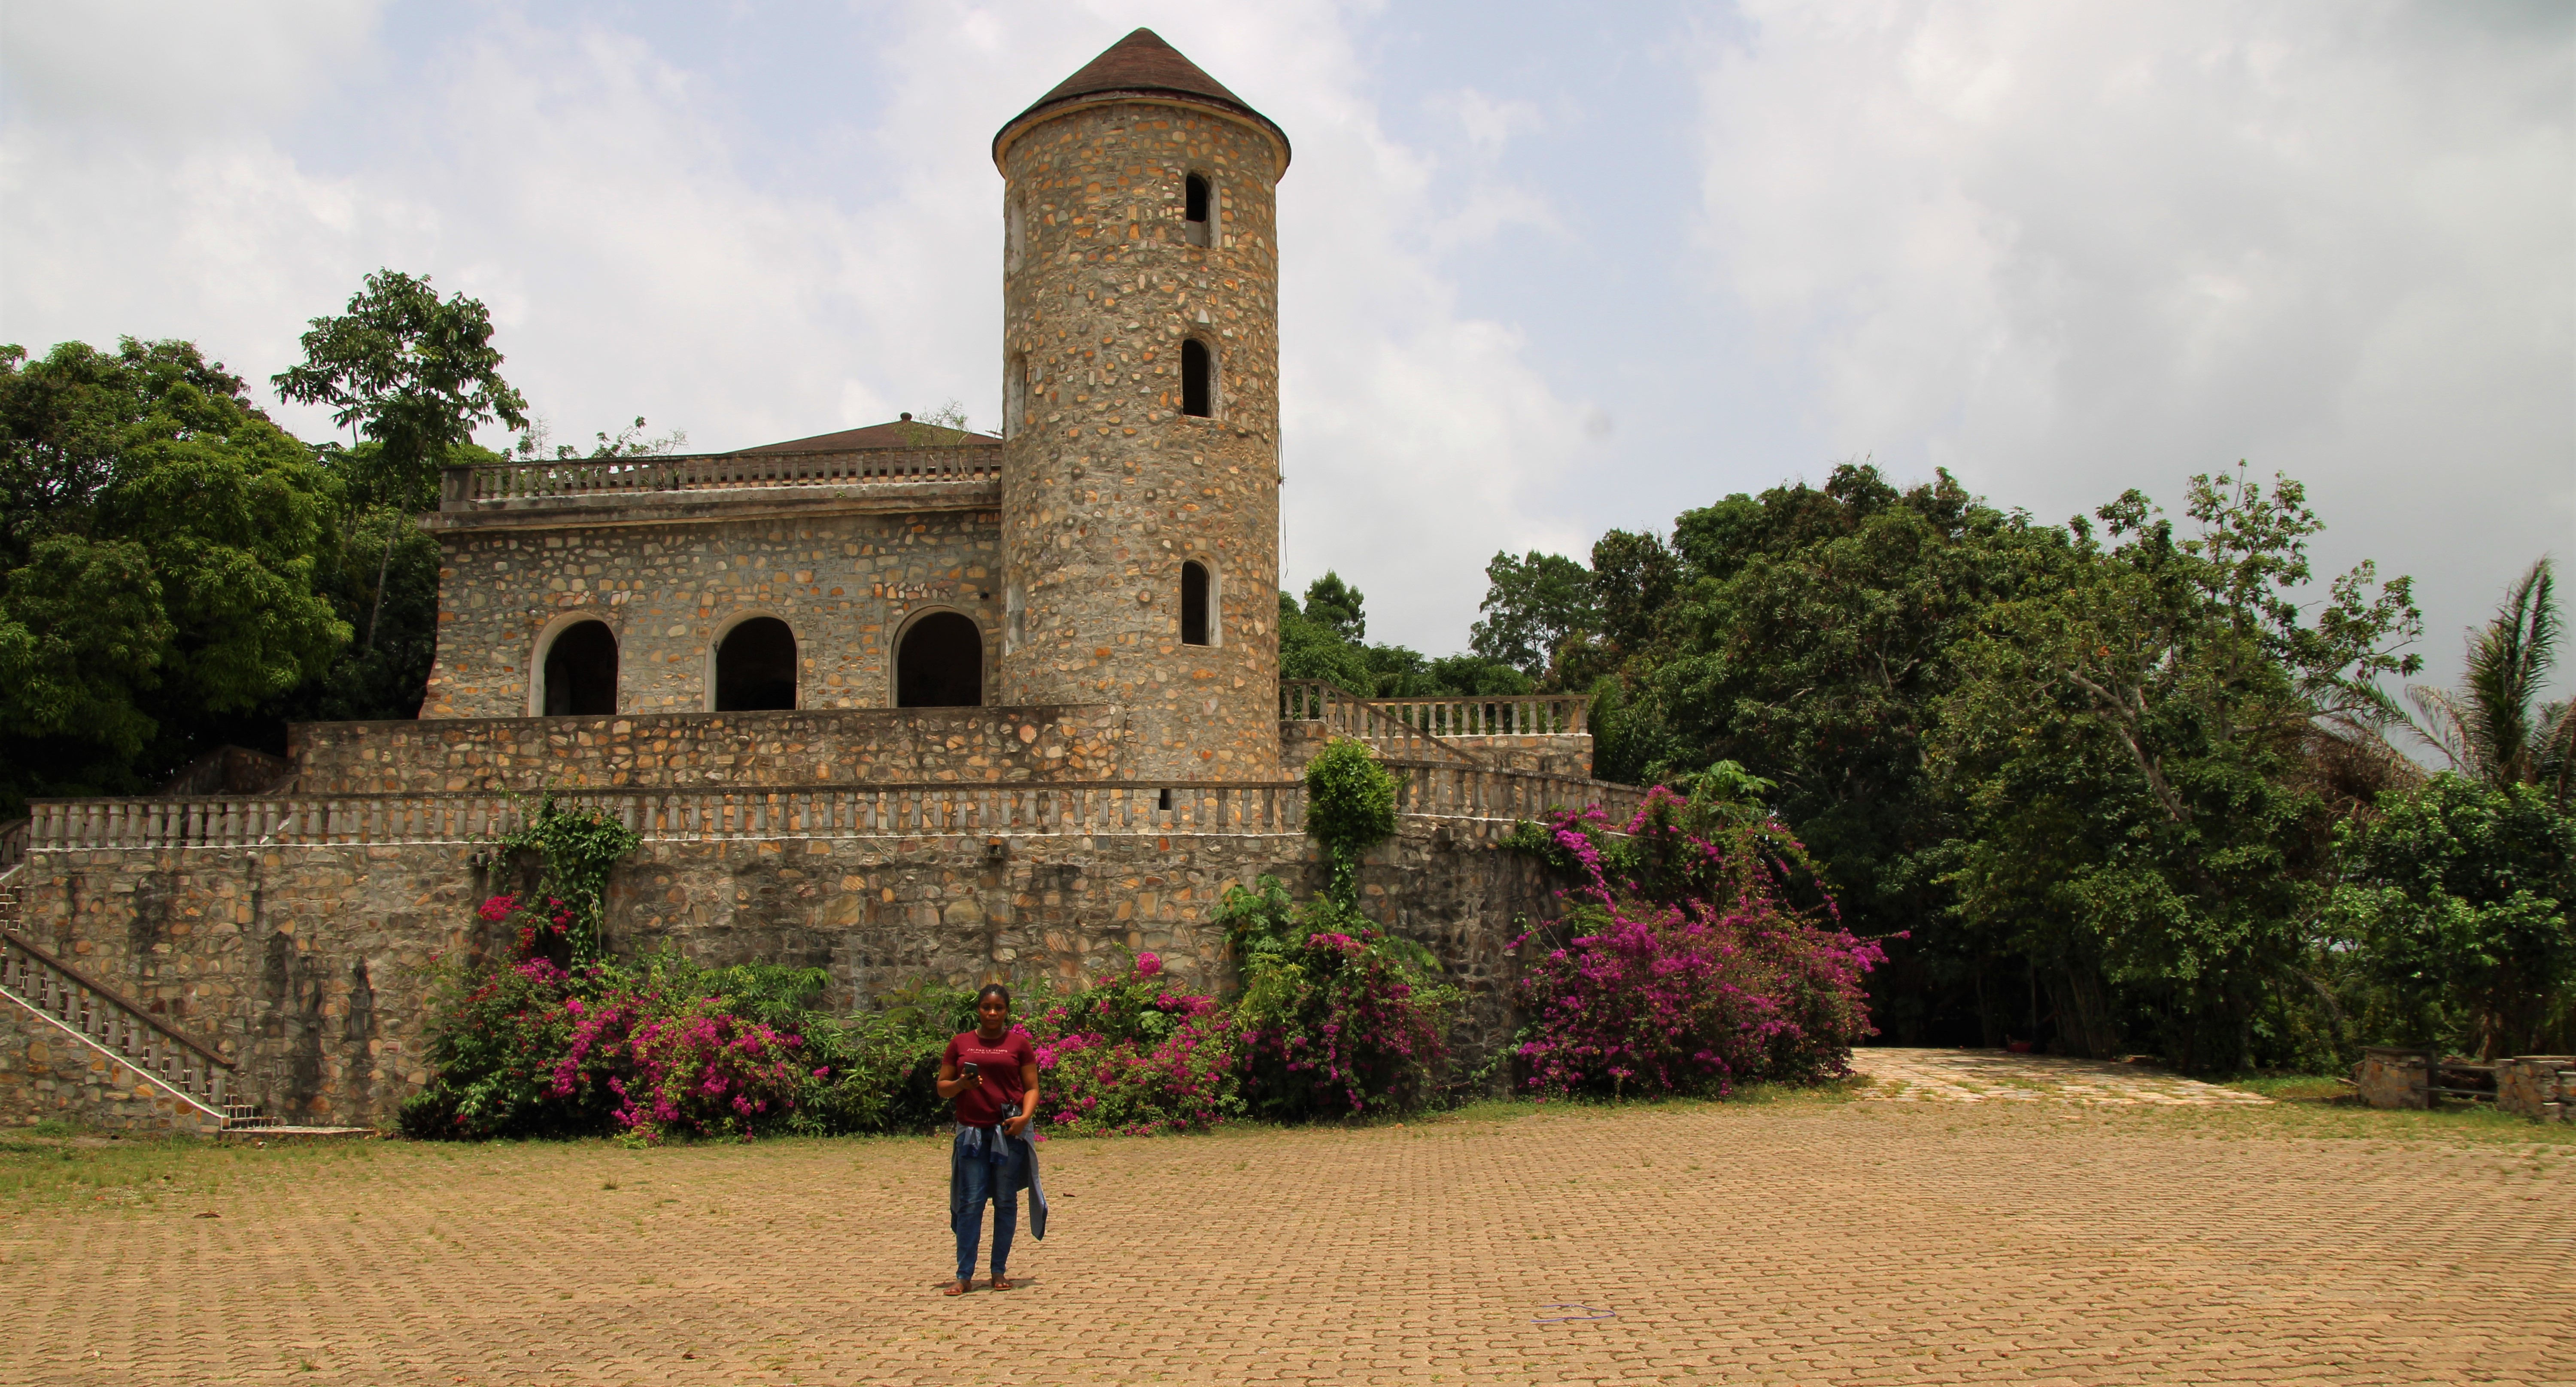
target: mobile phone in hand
<point>970,1070</point>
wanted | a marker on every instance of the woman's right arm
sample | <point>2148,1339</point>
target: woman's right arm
<point>949,1085</point>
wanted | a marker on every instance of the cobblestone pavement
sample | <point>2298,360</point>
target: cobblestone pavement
<point>1805,1240</point>
<point>1975,1076</point>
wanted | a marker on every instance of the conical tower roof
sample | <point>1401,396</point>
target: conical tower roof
<point>1140,65</point>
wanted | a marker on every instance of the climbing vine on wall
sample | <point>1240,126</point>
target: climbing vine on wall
<point>579,848</point>
<point>1350,808</point>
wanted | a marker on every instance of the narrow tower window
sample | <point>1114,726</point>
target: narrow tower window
<point>581,672</point>
<point>1195,379</point>
<point>1015,396</point>
<point>1195,210</point>
<point>1194,604</point>
<point>1015,234</point>
<point>756,667</point>
<point>941,664</point>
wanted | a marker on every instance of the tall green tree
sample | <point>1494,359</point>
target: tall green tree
<point>159,561</point>
<point>413,376</point>
<point>1533,605</point>
<point>413,373</point>
<point>1322,638</point>
<point>2128,743</point>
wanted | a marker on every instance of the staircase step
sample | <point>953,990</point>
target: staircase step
<point>281,1134</point>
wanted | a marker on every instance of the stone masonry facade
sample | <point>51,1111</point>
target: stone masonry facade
<point>1122,768</point>
<point>845,583</point>
<point>525,755</point>
<point>1109,487</point>
<point>312,968</point>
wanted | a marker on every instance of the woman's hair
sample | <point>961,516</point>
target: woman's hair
<point>993,989</point>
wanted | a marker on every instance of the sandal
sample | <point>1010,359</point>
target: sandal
<point>1001,1283</point>
<point>957,1288</point>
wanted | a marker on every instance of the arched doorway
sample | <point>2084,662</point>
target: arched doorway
<point>581,671</point>
<point>941,664</point>
<point>756,667</point>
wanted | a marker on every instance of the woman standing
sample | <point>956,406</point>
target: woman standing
<point>991,1073</point>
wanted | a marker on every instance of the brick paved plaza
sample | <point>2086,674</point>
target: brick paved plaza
<point>2076,1237</point>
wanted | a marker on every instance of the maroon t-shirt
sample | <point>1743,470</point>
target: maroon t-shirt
<point>981,1106</point>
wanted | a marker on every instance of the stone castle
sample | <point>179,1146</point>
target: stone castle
<point>899,701</point>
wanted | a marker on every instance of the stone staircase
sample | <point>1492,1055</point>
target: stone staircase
<point>1346,714</point>
<point>63,998</point>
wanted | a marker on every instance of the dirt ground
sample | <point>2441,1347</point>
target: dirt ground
<point>2040,1222</point>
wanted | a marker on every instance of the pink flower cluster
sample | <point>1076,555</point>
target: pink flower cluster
<point>1129,1055</point>
<point>679,1065</point>
<point>1690,975</point>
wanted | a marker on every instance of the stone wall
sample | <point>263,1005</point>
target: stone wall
<point>47,1072</point>
<point>1109,487</point>
<point>2541,1087</point>
<point>311,967</point>
<point>1542,753</point>
<point>833,747</point>
<point>845,583</point>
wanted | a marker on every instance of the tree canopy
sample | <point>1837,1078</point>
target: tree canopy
<point>159,561</point>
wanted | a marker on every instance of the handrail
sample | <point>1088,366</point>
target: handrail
<point>109,994</point>
<point>1347,714</point>
<point>463,487</point>
<point>1506,715</point>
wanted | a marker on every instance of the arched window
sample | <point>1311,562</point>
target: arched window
<point>581,672</point>
<point>1198,209</point>
<point>1194,604</point>
<point>756,667</point>
<point>940,664</point>
<point>1197,378</point>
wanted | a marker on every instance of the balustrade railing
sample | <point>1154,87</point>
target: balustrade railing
<point>88,1009</point>
<point>13,843</point>
<point>1345,714</point>
<point>571,477</point>
<point>1521,715</point>
<point>1454,792</point>
<point>699,813</point>
<point>656,814</point>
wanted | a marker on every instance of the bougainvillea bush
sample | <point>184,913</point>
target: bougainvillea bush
<point>1131,1054</point>
<point>1678,968</point>
<point>525,1046</point>
<point>670,1059</point>
<point>1338,1017</point>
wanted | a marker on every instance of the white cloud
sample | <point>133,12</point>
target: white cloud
<point>2064,250</point>
<point>645,249</point>
<point>180,69</point>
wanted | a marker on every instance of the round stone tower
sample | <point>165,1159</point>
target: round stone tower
<point>1140,478</point>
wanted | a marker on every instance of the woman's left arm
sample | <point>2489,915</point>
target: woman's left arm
<point>1028,1100</point>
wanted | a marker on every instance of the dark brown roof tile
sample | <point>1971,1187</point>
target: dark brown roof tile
<point>1143,63</point>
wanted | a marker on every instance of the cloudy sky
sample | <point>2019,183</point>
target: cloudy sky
<point>1548,269</point>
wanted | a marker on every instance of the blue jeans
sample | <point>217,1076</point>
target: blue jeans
<point>984,1180</point>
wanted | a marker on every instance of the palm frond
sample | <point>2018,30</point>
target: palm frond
<point>2442,725</point>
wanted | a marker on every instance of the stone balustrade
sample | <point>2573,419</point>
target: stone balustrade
<point>1520,715</point>
<point>918,810</point>
<point>464,487</point>
<point>1346,714</point>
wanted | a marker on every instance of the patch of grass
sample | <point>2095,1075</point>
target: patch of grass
<point>2317,1106</point>
<point>75,1173</point>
